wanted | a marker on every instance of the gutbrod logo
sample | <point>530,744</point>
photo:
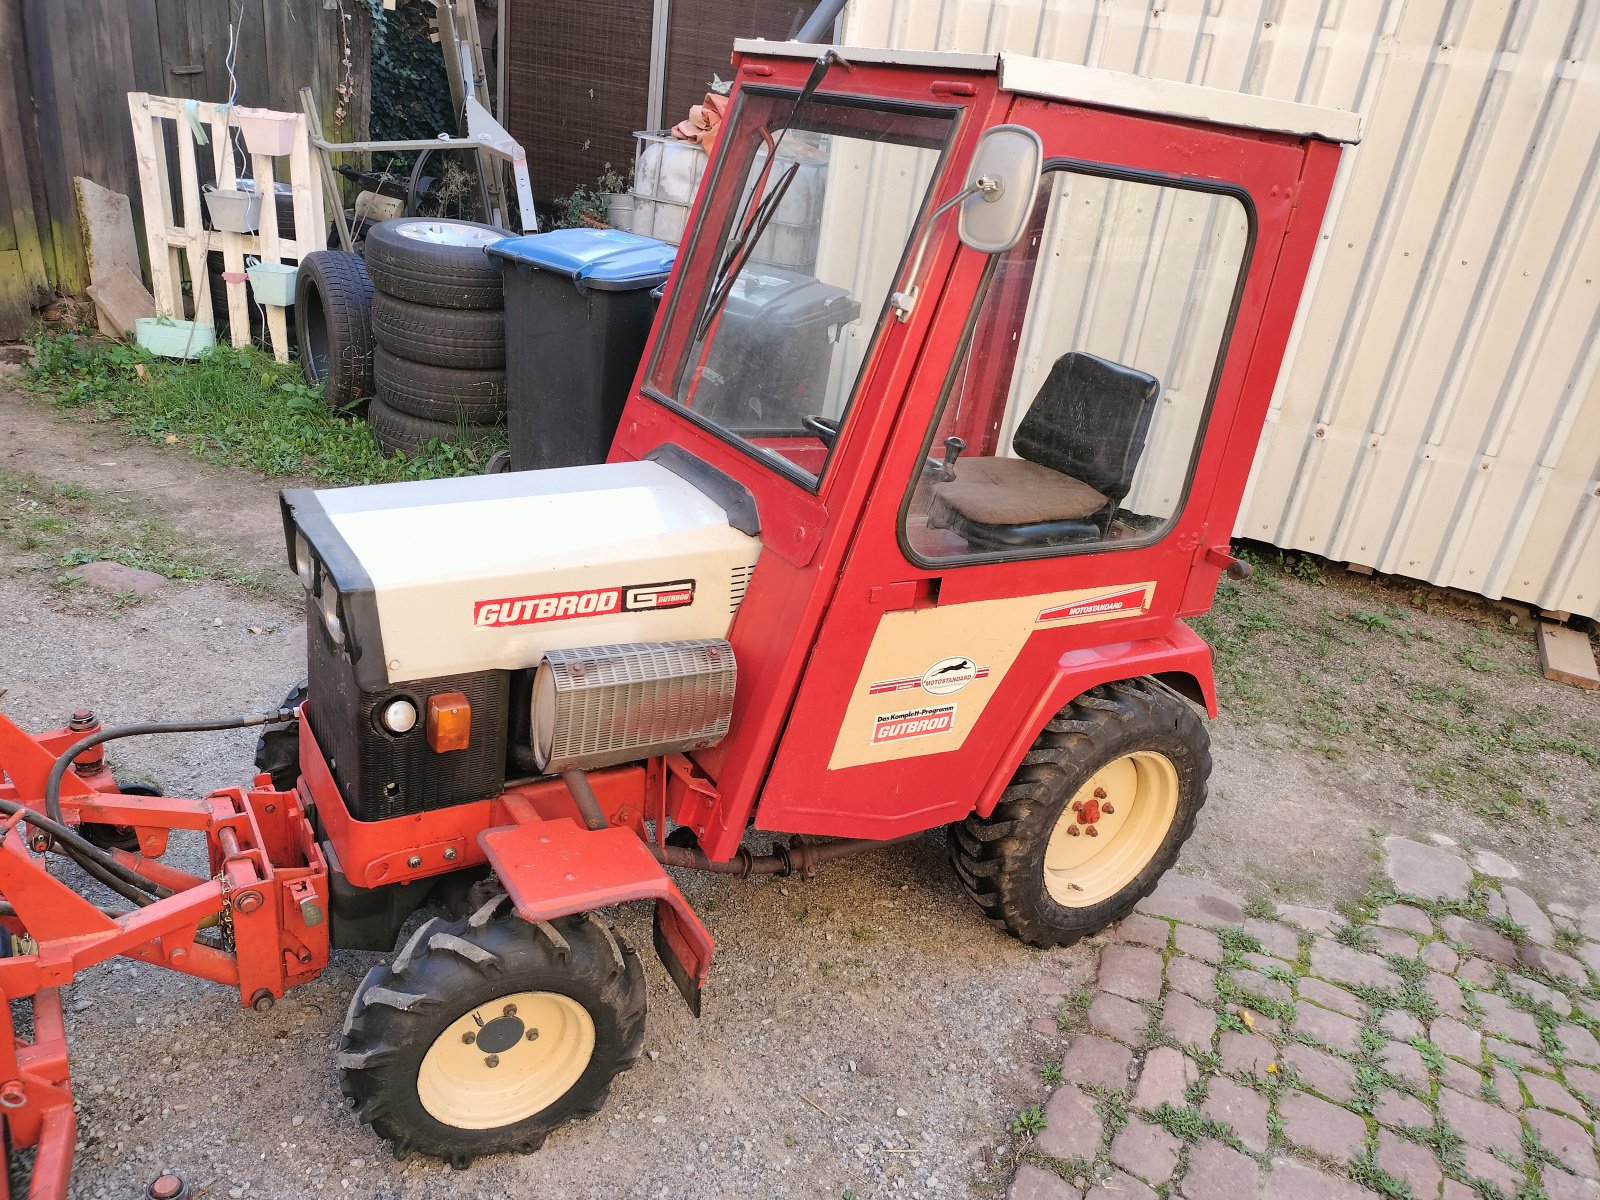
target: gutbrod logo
<point>913,723</point>
<point>564,606</point>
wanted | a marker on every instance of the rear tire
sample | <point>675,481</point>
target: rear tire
<point>437,1056</point>
<point>333,324</point>
<point>1128,760</point>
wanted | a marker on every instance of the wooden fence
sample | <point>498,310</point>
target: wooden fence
<point>68,67</point>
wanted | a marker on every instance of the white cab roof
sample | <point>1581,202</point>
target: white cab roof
<point>1105,89</point>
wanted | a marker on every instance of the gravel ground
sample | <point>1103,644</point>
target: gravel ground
<point>865,1033</point>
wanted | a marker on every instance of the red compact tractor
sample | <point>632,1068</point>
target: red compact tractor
<point>940,433</point>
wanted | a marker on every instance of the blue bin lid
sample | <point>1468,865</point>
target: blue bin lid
<point>609,259</point>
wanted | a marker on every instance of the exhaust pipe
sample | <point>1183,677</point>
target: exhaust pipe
<point>819,25</point>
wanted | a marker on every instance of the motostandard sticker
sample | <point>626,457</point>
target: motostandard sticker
<point>913,723</point>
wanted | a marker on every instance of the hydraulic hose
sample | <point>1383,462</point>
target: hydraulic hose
<point>91,858</point>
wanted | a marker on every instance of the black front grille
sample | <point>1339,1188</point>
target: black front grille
<point>384,775</point>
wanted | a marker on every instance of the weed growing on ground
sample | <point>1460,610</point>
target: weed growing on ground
<point>1261,907</point>
<point>1050,1073</point>
<point>239,408</point>
<point>1357,937</point>
<point>1366,1171</point>
<point>1029,1122</point>
<point>1568,940</point>
<point>1190,1125</point>
<point>1071,1011</point>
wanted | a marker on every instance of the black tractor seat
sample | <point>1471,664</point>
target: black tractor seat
<point>1078,447</point>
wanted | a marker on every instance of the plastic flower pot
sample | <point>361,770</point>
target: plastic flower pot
<point>265,131</point>
<point>234,210</point>
<point>273,283</point>
<point>174,339</point>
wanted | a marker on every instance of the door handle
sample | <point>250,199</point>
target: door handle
<point>904,594</point>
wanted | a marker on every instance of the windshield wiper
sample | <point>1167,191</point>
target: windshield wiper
<point>760,216</point>
<point>740,249</point>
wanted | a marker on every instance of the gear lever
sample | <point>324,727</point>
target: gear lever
<point>953,446</point>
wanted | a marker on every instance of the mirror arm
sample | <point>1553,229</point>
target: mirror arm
<point>903,300</point>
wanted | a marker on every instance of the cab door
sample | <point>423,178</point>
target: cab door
<point>1100,389</point>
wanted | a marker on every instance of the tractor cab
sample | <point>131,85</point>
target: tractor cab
<point>988,342</point>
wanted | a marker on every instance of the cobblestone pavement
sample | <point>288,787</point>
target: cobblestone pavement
<point>1436,1042</point>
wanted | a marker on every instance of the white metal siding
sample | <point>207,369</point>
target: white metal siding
<point>1439,413</point>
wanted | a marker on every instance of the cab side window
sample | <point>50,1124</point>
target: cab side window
<point>1076,411</point>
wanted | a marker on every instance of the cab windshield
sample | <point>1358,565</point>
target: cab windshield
<point>793,267</point>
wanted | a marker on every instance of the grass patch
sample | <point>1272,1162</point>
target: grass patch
<point>1352,670</point>
<point>57,526</point>
<point>237,408</point>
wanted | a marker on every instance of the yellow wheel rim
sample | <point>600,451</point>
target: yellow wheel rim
<point>485,1071</point>
<point>1111,829</point>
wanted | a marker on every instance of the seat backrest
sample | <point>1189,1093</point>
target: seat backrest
<point>1089,421</point>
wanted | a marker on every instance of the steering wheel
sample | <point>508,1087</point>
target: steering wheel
<point>826,429</point>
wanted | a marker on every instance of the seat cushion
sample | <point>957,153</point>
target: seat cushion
<point>1014,491</point>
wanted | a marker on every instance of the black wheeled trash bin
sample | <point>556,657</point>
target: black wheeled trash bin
<point>578,313</point>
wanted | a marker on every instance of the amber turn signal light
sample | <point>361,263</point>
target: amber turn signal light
<point>449,722</point>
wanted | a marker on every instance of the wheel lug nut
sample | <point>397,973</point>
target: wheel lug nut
<point>1108,810</point>
<point>469,1037</point>
<point>1099,793</point>
<point>1072,831</point>
<point>492,1061</point>
<point>509,1010</point>
<point>533,1035</point>
<point>1093,832</point>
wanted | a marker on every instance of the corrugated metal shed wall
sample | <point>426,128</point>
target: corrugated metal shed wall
<point>1439,415</point>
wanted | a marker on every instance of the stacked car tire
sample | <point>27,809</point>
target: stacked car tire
<point>438,318</point>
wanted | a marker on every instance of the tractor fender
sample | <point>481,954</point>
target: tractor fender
<point>555,868</point>
<point>1178,658</point>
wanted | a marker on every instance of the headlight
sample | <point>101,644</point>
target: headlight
<point>399,716</point>
<point>305,563</point>
<point>328,602</point>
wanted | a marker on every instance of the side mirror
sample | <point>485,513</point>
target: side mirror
<point>995,203</point>
<point>1001,185</point>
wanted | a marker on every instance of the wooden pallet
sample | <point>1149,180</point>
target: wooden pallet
<point>179,241</point>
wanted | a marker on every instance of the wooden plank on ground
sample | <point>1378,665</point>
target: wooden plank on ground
<point>120,300</point>
<point>1567,657</point>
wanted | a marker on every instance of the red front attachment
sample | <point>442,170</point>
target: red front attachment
<point>258,923</point>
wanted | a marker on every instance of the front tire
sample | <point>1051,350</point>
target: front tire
<point>486,1034</point>
<point>1096,813</point>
